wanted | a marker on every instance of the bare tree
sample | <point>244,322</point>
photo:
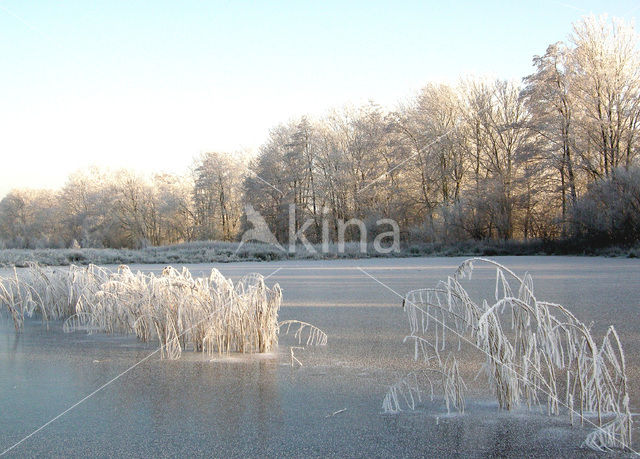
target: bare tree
<point>607,83</point>
<point>217,195</point>
<point>551,98</point>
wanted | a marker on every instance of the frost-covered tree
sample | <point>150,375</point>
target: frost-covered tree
<point>217,195</point>
<point>483,159</point>
<point>28,219</point>
<point>551,99</point>
<point>607,85</point>
<point>88,209</point>
<point>609,212</point>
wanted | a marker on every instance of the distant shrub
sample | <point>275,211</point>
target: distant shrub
<point>609,213</point>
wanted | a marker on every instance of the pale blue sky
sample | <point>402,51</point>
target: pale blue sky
<point>149,85</point>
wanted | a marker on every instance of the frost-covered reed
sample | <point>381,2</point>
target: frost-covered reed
<point>534,352</point>
<point>207,314</point>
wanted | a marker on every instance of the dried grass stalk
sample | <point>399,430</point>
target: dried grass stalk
<point>534,352</point>
<point>205,314</point>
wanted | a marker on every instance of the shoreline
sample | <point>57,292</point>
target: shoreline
<point>231,252</point>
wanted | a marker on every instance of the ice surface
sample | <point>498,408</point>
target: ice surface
<point>254,406</point>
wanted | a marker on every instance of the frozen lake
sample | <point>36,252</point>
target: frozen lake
<point>258,405</point>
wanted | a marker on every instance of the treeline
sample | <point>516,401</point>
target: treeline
<point>554,157</point>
